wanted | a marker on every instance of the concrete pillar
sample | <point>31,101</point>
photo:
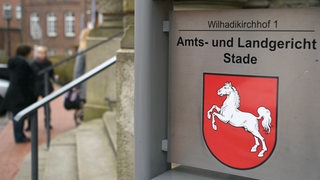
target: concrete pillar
<point>125,96</point>
<point>125,120</point>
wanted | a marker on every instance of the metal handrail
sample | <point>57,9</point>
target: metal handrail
<point>3,66</point>
<point>30,111</point>
<point>79,53</point>
<point>22,114</point>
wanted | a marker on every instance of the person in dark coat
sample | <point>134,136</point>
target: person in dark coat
<point>41,62</point>
<point>20,93</point>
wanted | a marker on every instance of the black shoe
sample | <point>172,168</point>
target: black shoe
<point>25,140</point>
<point>28,129</point>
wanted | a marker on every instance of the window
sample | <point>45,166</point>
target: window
<point>35,29</point>
<point>7,11</point>
<point>69,24</point>
<point>51,25</point>
<point>18,12</point>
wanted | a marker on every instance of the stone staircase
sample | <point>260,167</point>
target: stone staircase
<point>85,153</point>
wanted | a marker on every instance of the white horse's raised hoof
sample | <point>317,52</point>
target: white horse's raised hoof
<point>214,127</point>
<point>261,154</point>
<point>254,148</point>
<point>209,115</point>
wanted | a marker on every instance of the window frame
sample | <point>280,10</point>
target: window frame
<point>7,7</point>
<point>51,25</point>
<point>18,13</point>
<point>69,24</point>
<point>34,19</point>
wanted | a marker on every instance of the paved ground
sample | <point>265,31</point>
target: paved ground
<point>3,122</point>
<point>12,155</point>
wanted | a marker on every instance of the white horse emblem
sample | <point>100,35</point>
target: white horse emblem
<point>229,113</point>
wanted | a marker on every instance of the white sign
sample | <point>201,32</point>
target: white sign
<point>244,88</point>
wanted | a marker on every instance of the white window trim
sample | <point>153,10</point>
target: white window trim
<point>8,7</point>
<point>69,23</point>
<point>34,18</point>
<point>18,12</point>
<point>51,18</point>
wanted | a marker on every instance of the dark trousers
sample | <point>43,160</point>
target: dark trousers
<point>18,130</point>
<point>47,114</point>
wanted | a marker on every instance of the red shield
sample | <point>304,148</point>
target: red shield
<point>240,118</point>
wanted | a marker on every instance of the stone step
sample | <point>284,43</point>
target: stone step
<point>82,154</point>
<point>25,168</point>
<point>109,119</point>
<point>61,160</point>
<point>96,159</point>
<point>63,139</point>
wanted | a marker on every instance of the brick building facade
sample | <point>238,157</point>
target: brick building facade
<point>60,22</point>
<point>15,26</point>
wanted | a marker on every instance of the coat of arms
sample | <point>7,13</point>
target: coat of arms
<point>239,118</point>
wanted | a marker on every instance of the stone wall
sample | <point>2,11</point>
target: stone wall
<point>103,85</point>
<point>112,11</point>
<point>109,6</point>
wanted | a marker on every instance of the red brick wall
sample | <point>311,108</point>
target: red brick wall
<point>15,35</point>
<point>60,43</point>
<point>14,22</point>
<point>15,25</point>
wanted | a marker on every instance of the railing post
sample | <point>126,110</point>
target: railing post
<point>46,108</point>
<point>34,145</point>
